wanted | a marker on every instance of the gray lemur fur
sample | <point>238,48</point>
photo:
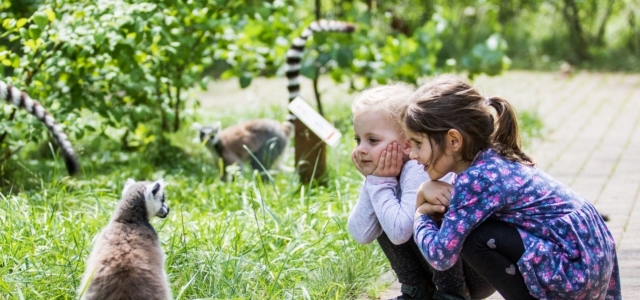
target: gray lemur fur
<point>21,99</point>
<point>126,261</point>
<point>265,141</point>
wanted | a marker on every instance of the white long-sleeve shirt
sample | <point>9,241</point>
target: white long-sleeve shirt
<point>388,204</point>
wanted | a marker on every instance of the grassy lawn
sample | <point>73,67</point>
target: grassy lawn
<point>246,239</point>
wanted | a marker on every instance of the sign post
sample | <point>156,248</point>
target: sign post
<point>312,133</point>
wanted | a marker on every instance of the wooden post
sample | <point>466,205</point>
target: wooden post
<point>310,153</point>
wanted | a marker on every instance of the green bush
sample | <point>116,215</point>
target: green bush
<point>132,64</point>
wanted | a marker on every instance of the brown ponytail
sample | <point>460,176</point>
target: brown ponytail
<point>506,138</point>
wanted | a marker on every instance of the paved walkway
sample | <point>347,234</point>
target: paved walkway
<point>591,143</point>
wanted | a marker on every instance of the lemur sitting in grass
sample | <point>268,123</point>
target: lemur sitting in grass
<point>126,261</point>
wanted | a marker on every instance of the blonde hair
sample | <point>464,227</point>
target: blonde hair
<point>390,100</point>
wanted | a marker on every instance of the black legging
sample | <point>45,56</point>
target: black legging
<point>492,250</point>
<point>413,269</point>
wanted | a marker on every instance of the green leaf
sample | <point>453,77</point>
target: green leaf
<point>245,79</point>
<point>15,62</point>
<point>24,33</point>
<point>323,58</point>
<point>309,70</point>
<point>51,15</point>
<point>79,134</point>
<point>41,19</point>
<point>344,57</point>
<point>34,31</point>
<point>264,12</point>
<point>21,22</point>
<point>6,23</point>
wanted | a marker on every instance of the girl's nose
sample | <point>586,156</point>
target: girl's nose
<point>361,149</point>
<point>413,155</point>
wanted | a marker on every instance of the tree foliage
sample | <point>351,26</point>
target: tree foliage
<point>124,69</point>
<point>131,64</point>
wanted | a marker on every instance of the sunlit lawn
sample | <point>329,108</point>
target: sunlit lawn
<point>246,239</point>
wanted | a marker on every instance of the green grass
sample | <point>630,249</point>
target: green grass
<point>246,239</point>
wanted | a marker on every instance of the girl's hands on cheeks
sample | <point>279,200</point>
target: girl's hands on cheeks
<point>390,163</point>
<point>433,199</point>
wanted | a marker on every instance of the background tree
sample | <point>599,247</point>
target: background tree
<point>122,69</point>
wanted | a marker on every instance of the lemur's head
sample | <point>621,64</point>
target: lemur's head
<point>154,196</point>
<point>209,134</point>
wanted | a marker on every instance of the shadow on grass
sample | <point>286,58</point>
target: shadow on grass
<point>34,168</point>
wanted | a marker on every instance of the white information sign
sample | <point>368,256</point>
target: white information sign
<point>319,125</point>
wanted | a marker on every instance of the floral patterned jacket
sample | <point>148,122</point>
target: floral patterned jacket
<point>569,251</point>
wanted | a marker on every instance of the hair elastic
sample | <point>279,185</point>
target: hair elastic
<point>487,101</point>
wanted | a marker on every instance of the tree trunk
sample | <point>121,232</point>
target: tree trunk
<point>576,33</point>
<point>603,26</point>
<point>634,40</point>
<point>163,114</point>
<point>176,109</point>
<point>316,91</point>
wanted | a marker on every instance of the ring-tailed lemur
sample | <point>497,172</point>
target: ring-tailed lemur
<point>267,139</point>
<point>126,261</point>
<point>19,98</point>
<point>294,54</point>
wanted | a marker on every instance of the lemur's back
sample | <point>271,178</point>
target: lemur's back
<point>126,260</point>
<point>129,264</point>
<point>256,134</point>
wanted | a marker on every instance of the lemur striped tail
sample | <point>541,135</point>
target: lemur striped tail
<point>19,98</point>
<point>294,55</point>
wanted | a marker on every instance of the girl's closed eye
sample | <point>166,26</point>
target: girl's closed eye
<point>373,140</point>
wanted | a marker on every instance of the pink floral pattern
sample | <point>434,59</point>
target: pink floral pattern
<point>569,251</point>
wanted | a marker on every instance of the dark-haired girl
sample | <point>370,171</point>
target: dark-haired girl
<point>524,232</point>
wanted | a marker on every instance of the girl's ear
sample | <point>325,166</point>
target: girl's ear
<point>406,148</point>
<point>454,140</point>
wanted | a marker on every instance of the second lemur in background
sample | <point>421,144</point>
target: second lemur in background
<point>265,140</point>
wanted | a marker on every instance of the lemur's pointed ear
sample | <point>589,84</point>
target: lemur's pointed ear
<point>129,182</point>
<point>127,185</point>
<point>154,188</point>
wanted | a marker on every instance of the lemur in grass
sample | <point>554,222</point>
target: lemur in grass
<point>126,261</point>
<point>20,99</point>
<point>266,139</point>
